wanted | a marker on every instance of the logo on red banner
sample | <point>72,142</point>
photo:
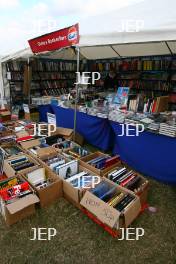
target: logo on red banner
<point>56,40</point>
<point>73,35</point>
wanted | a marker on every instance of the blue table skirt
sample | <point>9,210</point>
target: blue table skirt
<point>95,130</point>
<point>151,154</point>
<point>43,110</point>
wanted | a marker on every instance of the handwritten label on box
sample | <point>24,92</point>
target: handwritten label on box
<point>101,210</point>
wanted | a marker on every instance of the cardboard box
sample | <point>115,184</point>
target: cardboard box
<point>23,136</point>
<point>27,145</point>
<point>7,139</point>
<point>73,155</point>
<point>6,132</point>
<point>10,172</point>
<point>109,215</point>
<point>6,145</point>
<point>50,193</point>
<point>67,142</point>
<point>15,126</point>
<point>50,156</point>
<point>72,194</point>
<point>5,115</point>
<point>69,134</point>
<point>22,133</point>
<point>7,135</point>
<point>143,185</point>
<point>84,160</point>
<point>72,201</point>
<point>67,156</point>
<point>19,209</point>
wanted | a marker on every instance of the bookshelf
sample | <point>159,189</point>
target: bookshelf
<point>152,76</point>
<point>52,77</point>
<point>16,71</point>
<point>44,77</point>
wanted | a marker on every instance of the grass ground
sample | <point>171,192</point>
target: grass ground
<point>79,240</point>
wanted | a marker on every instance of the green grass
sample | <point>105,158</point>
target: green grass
<point>79,240</point>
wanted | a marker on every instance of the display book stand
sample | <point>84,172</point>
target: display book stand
<point>152,75</point>
<point>38,77</point>
<point>18,77</point>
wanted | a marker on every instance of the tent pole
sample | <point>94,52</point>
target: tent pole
<point>29,80</point>
<point>77,86</point>
<point>1,87</point>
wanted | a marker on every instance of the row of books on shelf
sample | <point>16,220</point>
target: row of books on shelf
<point>135,65</point>
<point>15,76</point>
<point>143,64</point>
<point>54,65</point>
<point>15,66</point>
<point>56,92</point>
<point>52,84</point>
<point>144,76</point>
<point>141,85</point>
<point>53,75</point>
<point>38,90</point>
<point>57,84</point>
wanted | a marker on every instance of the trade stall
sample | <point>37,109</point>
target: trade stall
<point>136,36</point>
<point>150,153</point>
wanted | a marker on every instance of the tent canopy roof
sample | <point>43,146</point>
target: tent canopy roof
<point>65,54</point>
<point>143,29</point>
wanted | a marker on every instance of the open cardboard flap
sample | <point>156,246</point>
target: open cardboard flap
<point>36,176</point>
<point>103,211</point>
<point>5,113</point>
<point>71,191</point>
<point>22,203</point>
<point>22,133</point>
<point>42,152</point>
<point>67,132</point>
<point>30,143</point>
<point>132,212</point>
<point>8,170</point>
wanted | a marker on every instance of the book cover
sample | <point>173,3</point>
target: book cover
<point>121,97</point>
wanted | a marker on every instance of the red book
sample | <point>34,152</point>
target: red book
<point>127,180</point>
<point>24,138</point>
<point>154,107</point>
<point>111,161</point>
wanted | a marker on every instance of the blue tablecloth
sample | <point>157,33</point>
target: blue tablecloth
<point>95,130</point>
<point>151,154</point>
<point>43,110</point>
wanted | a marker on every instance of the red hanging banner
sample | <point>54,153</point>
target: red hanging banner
<point>56,40</point>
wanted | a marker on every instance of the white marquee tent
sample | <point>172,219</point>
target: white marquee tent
<point>155,33</point>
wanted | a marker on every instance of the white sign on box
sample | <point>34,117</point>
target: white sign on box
<point>51,119</point>
<point>26,108</point>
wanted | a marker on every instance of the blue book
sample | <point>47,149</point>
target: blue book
<point>121,97</point>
